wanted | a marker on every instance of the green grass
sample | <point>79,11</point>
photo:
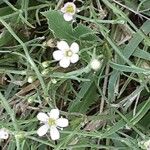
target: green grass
<point>107,109</point>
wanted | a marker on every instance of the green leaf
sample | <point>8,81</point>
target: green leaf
<point>5,37</point>
<point>141,54</point>
<point>64,30</point>
<point>84,33</point>
<point>85,98</point>
<point>135,41</point>
<point>5,11</point>
<point>121,123</point>
<point>142,112</point>
<point>127,52</point>
<point>124,68</point>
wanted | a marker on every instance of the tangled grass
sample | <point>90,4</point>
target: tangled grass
<point>105,95</point>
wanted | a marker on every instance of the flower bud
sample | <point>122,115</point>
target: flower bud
<point>54,81</point>
<point>31,79</point>
<point>45,64</point>
<point>44,43</point>
<point>95,64</point>
<point>45,72</point>
<point>31,99</point>
<point>20,135</point>
<point>50,43</point>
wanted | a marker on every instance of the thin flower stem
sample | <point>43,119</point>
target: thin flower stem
<point>116,21</point>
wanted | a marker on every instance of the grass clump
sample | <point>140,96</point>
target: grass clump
<point>86,60</point>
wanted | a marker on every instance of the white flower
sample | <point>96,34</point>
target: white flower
<point>65,54</point>
<point>3,134</point>
<point>69,10</point>
<point>147,145</point>
<point>95,64</point>
<point>52,122</point>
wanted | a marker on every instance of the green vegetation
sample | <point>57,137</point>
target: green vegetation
<point>106,101</point>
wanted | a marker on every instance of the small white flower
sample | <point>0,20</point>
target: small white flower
<point>52,122</point>
<point>147,145</point>
<point>65,54</point>
<point>69,10</point>
<point>3,134</point>
<point>95,64</point>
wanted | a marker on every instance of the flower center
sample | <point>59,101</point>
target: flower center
<point>51,122</point>
<point>69,9</point>
<point>68,53</point>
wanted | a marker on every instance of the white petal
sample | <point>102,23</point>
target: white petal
<point>62,122</point>
<point>62,45</point>
<point>43,130</point>
<point>67,17</point>
<point>3,134</point>
<point>54,113</point>
<point>63,10</point>
<point>54,133</point>
<point>65,62</point>
<point>74,58</point>
<point>58,55</point>
<point>42,117</point>
<point>74,47</point>
<point>69,4</point>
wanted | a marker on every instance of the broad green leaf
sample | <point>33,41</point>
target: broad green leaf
<point>84,33</point>
<point>64,30</point>
<point>85,98</point>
